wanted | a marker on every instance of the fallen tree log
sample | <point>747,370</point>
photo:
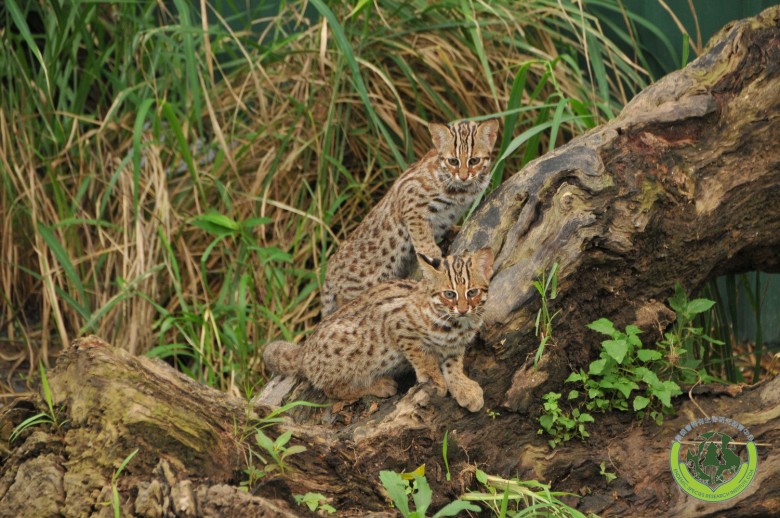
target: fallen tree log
<point>682,186</point>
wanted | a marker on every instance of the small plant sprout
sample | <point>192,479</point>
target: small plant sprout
<point>114,484</point>
<point>400,489</point>
<point>273,452</point>
<point>315,502</point>
<point>444,447</point>
<point>277,449</point>
<point>47,417</point>
<point>606,474</point>
<point>547,286</point>
<point>562,426</point>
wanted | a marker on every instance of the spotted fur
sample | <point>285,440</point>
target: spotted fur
<point>425,201</point>
<point>394,326</point>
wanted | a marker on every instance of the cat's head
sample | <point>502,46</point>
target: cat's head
<point>465,149</point>
<point>458,284</point>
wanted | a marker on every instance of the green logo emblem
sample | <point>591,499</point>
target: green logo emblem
<point>714,466</point>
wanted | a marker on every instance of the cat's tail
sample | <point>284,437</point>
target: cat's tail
<point>327,300</point>
<point>282,357</point>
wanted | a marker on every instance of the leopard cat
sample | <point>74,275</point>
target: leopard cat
<point>420,207</point>
<point>395,326</point>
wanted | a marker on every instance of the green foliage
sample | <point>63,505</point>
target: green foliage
<point>624,367</point>
<point>562,426</point>
<point>399,489</point>
<point>518,499</point>
<point>444,447</point>
<point>116,506</point>
<point>270,457</point>
<point>684,345</point>
<point>628,377</point>
<point>315,502</point>
<point>217,330</point>
<point>606,474</point>
<point>275,450</point>
<point>47,417</point>
<point>547,287</point>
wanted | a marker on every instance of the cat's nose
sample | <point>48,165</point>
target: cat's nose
<point>463,174</point>
<point>463,309</point>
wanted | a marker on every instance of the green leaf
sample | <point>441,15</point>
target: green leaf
<point>697,306</point>
<point>605,327</point>
<point>647,355</point>
<point>422,496</point>
<point>124,464</point>
<point>650,377</point>
<point>396,488</point>
<point>574,376</point>
<point>481,477</point>
<point>217,224</point>
<point>632,330</point>
<point>617,349</point>
<point>46,390</point>
<point>597,367</point>
<point>625,387</point>
<point>282,439</point>
<point>444,447</point>
<point>70,271</point>
<point>586,418</point>
<point>640,402</point>
<point>253,222</point>
<point>574,394</point>
<point>455,507</point>
<point>292,450</point>
<point>264,441</point>
<point>634,340</point>
<point>679,300</point>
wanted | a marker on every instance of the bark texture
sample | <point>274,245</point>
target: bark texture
<point>682,186</point>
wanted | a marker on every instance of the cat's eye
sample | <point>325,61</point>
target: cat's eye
<point>453,162</point>
<point>474,160</point>
<point>449,295</point>
<point>473,292</point>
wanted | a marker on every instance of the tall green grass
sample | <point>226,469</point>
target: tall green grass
<point>175,183</point>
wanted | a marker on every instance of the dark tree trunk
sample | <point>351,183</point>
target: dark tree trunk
<point>684,185</point>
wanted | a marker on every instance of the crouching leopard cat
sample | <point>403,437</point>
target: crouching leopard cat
<point>396,325</point>
<point>415,213</point>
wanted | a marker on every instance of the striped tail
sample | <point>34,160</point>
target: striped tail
<point>327,299</point>
<point>282,357</point>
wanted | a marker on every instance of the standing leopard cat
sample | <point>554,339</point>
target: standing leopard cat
<point>425,201</point>
<point>394,326</point>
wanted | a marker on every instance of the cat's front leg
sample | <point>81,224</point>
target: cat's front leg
<point>421,234</point>
<point>426,368</point>
<point>466,392</point>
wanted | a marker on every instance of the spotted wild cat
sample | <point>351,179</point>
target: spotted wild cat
<point>394,326</point>
<point>425,201</point>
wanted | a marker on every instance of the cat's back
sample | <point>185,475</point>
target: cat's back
<point>360,334</point>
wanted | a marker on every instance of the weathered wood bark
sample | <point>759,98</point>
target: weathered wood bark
<point>682,186</point>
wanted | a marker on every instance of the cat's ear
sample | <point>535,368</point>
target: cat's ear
<point>441,136</point>
<point>483,260</point>
<point>486,134</point>
<point>429,266</point>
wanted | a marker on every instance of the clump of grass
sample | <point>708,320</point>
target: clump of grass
<point>180,189</point>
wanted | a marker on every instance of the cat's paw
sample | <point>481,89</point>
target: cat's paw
<point>384,387</point>
<point>436,382</point>
<point>439,386</point>
<point>469,395</point>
